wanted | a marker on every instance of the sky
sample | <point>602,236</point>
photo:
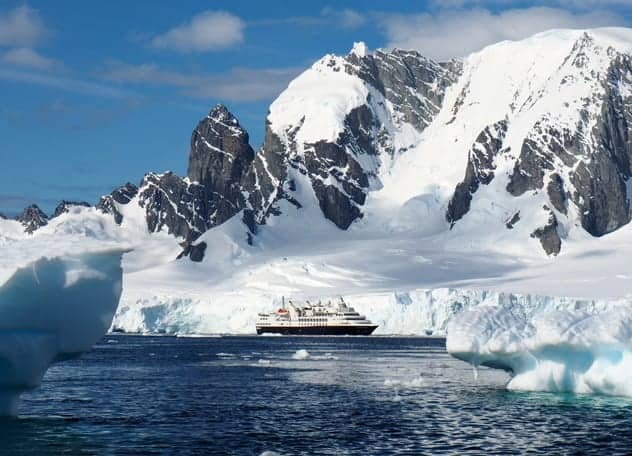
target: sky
<point>95,94</point>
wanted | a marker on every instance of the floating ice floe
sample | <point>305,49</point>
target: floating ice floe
<point>417,382</point>
<point>301,354</point>
<point>558,351</point>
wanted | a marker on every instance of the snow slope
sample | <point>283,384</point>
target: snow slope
<point>553,78</point>
<point>407,286</point>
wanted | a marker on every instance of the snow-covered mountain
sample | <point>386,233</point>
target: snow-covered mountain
<point>384,173</point>
<point>533,137</point>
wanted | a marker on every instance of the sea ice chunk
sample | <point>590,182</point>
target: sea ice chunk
<point>560,351</point>
<point>50,310</point>
<point>301,354</point>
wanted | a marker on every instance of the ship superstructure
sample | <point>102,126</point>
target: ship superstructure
<point>315,319</point>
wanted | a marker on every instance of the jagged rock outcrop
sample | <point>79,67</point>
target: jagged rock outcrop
<point>548,235</point>
<point>195,252</point>
<point>220,158</point>
<point>480,169</point>
<point>219,161</point>
<point>65,206</point>
<point>121,195</point>
<point>32,218</point>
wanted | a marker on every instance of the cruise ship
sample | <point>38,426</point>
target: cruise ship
<point>315,319</point>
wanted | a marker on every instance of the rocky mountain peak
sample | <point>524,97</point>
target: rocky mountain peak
<point>32,218</point>
<point>220,158</point>
<point>220,150</point>
<point>359,49</point>
<point>220,113</point>
<point>65,206</point>
<point>109,204</point>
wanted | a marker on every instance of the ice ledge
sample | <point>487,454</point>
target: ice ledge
<point>557,350</point>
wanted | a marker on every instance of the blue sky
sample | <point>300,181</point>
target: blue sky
<point>94,94</point>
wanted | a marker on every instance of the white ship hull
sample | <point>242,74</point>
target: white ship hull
<point>325,330</point>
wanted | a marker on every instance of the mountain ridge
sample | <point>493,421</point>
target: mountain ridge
<point>392,140</point>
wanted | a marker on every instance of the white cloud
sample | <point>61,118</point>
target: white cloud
<point>345,18</point>
<point>62,83</point>
<point>238,84</point>
<point>21,27</point>
<point>579,4</point>
<point>246,84</point>
<point>29,58</point>
<point>328,17</point>
<point>448,34</point>
<point>208,31</point>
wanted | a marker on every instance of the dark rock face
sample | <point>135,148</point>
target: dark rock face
<point>598,175</point>
<point>64,206</point>
<point>414,84</point>
<point>538,156</point>
<point>121,195</point>
<point>220,153</point>
<point>557,195</point>
<point>32,218</point>
<point>195,252</point>
<point>600,181</point>
<point>601,196</point>
<point>513,220</point>
<point>219,161</point>
<point>2,216</point>
<point>267,182</point>
<point>322,160</point>
<point>480,169</point>
<point>173,204</point>
<point>548,236</point>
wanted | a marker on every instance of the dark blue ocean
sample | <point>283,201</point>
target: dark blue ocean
<point>350,396</point>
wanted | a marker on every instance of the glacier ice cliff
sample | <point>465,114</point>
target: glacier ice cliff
<point>558,351</point>
<point>53,309</point>
<point>413,312</point>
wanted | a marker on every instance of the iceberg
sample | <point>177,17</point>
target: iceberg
<point>51,309</point>
<point>556,351</point>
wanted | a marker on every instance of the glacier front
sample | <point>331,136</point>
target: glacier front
<point>557,351</point>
